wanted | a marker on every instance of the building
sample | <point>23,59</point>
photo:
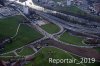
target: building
<point>25,9</point>
<point>69,2</point>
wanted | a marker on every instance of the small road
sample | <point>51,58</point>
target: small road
<point>67,25</point>
<point>55,21</point>
<point>16,31</point>
<point>81,51</point>
<point>45,10</point>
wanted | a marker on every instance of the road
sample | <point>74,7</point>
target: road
<point>58,22</point>
<point>71,48</point>
<point>67,25</point>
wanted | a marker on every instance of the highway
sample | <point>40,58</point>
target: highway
<point>46,34</point>
<point>61,24</point>
<point>85,50</point>
<point>65,24</point>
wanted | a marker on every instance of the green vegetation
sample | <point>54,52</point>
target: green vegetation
<point>29,63</point>
<point>9,25</point>
<point>51,28</point>
<point>75,11</point>
<point>25,35</point>
<point>7,58</point>
<point>97,48</point>
<point>70,9</point>
<point>58,0</point>
<point>8,54</point>
<point>26,51</point>
<point>66,37</point>
<point>42,58</point>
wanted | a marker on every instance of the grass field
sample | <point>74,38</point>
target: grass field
<point>26,51</point>
<point>8,26</point>
<point>71,9</point>
<point>8,54</point>
<point>25,35</point>
<point>66,37</point>
<point>42,58</point>
<point>51,28</point>
<point>58,0</point>
<point>97,48</point>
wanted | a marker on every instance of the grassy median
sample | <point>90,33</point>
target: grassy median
<point>51,28</point>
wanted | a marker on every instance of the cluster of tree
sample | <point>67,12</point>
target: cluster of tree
<point>83,15</point>
<point>4,41</point>
<point>74,21</point>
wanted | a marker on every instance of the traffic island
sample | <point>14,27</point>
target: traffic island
<point>51,28</point>
<point>72,39</point>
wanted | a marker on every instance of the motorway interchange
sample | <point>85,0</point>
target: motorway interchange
<point>47,39</point>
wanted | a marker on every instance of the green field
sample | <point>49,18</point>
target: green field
<point>68,38</point>
<point>25,35</point>
<point>8,26</point>
<point>26,51</point>
<point>71,9</point>
<point>97,48</point>
<point>51,28</point>
<point>42,58</point>
<point>8,54</point>
<point>58,0</point>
